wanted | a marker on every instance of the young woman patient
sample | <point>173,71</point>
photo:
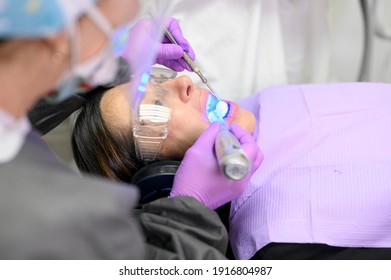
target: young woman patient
<point>323,189</point>
<point>103,139</point>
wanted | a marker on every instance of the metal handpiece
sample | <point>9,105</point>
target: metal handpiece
<point>232,160</point>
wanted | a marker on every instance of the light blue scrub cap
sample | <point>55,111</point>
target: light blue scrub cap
<point>38,18</point>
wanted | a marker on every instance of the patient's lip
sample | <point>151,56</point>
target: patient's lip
<point>233,111</point>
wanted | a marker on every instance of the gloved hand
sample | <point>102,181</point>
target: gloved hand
<point>199,175</point>
<point>170,54</point>
<point>140,40</point>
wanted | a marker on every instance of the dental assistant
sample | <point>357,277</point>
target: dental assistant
<point>47,211</point>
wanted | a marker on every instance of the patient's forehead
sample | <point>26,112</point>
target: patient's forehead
<point>115,107</point>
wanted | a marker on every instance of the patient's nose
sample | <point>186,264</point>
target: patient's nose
<point>184,86</point>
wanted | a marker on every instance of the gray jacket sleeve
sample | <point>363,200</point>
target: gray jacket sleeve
<point>49,212</point>
<point>183,228</point>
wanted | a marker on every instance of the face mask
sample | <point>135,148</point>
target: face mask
<point>99,70</point>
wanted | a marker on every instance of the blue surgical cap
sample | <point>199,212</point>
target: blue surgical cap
<point>37,18</point>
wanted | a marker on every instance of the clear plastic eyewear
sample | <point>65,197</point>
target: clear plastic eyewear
<point>150,121</point>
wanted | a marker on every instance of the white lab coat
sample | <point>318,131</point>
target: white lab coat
<point>245,46</point>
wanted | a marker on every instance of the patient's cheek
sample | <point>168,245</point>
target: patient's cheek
<point>172,151</point>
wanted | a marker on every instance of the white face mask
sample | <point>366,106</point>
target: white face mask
<point>99,70</point>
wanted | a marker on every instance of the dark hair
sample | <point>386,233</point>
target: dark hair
<point>97,149</point>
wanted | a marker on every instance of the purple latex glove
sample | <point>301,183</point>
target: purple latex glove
<point>168,54</point>
<point>199,175</point>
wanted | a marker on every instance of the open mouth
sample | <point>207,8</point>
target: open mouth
<point>216,110</point>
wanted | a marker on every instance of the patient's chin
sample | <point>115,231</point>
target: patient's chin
<point>246,120</point>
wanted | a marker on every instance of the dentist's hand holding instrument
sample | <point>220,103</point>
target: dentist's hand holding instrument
<point>199,175</point>
<point>167,53</point>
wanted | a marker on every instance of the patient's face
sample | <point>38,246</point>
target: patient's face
<point>188,117</point>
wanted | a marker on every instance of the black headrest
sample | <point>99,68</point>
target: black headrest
<point>155,180</point>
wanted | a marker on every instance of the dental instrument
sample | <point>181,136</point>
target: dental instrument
<point>232,160</point>
<point>191,62</point>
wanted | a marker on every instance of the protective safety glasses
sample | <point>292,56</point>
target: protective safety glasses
<point>151,119</point>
